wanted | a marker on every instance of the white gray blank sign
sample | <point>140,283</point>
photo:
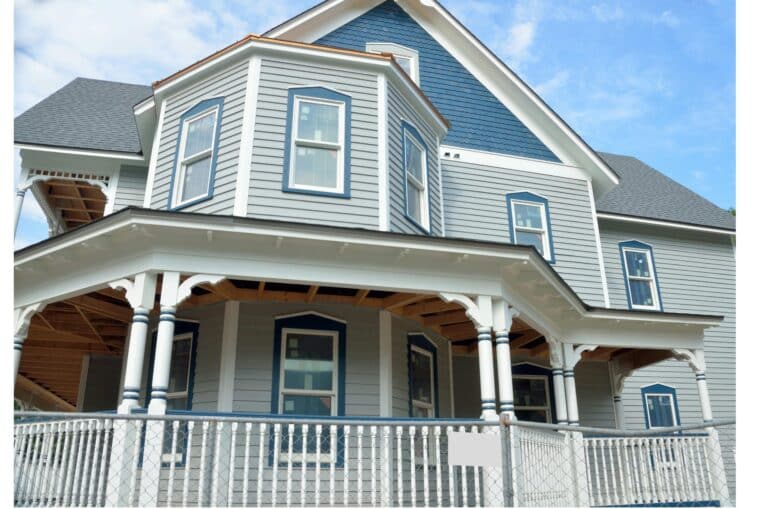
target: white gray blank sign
<point>474,449</point>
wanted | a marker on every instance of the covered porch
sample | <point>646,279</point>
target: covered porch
<point>398,308</point>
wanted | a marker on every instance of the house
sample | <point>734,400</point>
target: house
<point>289,272</point>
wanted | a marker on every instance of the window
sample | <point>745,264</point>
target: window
<point>415,175</point>
<point>529,223</point>
<point>422,377</point>
<point>406,58</point>
<point>196,152</point>
<point>532,398</point>
<point>660,406</point>
<point>640,276</point>
<point>317,150</point>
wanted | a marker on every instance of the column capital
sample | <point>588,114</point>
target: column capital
<point>478,309</point>
<point>694,358</point>
<point>23,317</point>
<point>139,291</point>
<point>572,354</point>
<point>555,353</point>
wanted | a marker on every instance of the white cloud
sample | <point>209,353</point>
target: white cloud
<point>519,39</point>
<point>604,12</point>
<point>554,83</point>
<point>668,19</point>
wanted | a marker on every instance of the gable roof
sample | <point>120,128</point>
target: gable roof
<point>646,192</point>
<point>85,114</point>
<point>480,61</point>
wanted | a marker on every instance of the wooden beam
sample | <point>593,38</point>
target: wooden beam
<point>41,333</point>
<point>527,337</point>
<point>262,286</point>
<point>89,324</point>
<point>312,292</point>
<point>42,318</point>
<point>423,308</point>
<point>103,308</point>
<point>540,350</point>
<point>458,316</point>
<point>400,300</point>
<point>459,331</point>
<point>360,296</point>
<point>601,354</point>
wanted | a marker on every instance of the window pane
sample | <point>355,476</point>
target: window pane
<point>637,264</point>
<point>528,216</point>
<point>421,377</point>
<point>414,202</point>
<point>306,405</point>
<point>531,415</point>
<point>422,413</point>
<point>180,353</point>
<point>413,164</point>
<point>641,292</point>
<point>316,167</point>
<point>318,122</point>
<point>530,392</point>
<point>199,134</point>
<point>177,404</point>
<point>196,179</point>
<point>308,362</point>
<point>531,239</point>
<point>661,411</point>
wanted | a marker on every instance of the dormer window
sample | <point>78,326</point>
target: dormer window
<point>529,223</point>
<point>406,58</point>
<point>317,147</point>
<point>196,154</point>
<point>640,276</point>
<point>415,177</point>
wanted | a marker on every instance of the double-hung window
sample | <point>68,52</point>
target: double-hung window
<point>317,155</point>
<point>532,398</point>
<point>196,154</point>
<point>416,183</point>
<point>422,383</point>
<point>406,58</point>
<point>529,222</point>
<point>640,276</point>
<point>308,376</point>
<point>660,405</point>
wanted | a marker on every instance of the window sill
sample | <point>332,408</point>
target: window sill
<point>417,225</point>
<point>196,201</point>
<point>312,192</point>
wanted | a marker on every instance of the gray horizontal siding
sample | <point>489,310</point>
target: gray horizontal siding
<point>399,110</point>
<point>229,84</point>
<point>131,186</point>
<point>266,198</point>
<point>476,208</point>
<point>696,274</point>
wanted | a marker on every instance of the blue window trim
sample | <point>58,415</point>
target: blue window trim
<point>331,95</point>
<point>658,388</point>
<point>408,128</point>
<point>180,327</point>
<point>524,196</point>
<point>636,244</point>
<point>528,368</point>
<point>313,321</point>
<point>421,341</point>
<point>215,103</point>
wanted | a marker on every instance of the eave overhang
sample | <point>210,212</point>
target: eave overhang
<point>136,239</point>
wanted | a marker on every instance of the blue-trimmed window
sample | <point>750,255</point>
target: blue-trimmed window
<point>529,223</point>
<point>181,381</point>
<point>194,167</point>
<point>640,279</point>
<point>406,58</point>
<point>415,177</point>
<point>317,144</point>
<point>532,386</point>
<point>660,406</point>
<point>308,376</point>
<point>423,399</point>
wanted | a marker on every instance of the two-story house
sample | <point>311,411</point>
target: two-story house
<point>317,254</point>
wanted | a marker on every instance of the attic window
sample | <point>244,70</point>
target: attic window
<point>406,58</point>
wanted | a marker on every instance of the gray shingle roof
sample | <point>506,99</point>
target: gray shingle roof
<point>646,192</point>
<point>85,114</point>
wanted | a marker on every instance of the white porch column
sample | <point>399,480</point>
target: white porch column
<point>140,294</point>
<point>502,322</point>
<point>556,363</point>
<point>22,318</point>
<point>571,357</point>
<point>617,387</point>
<point>20,193</point>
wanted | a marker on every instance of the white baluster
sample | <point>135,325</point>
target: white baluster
<point>232,462</point>
<point>134,463</point>
<point>374,466</point>
<point>288,482</point>
<point>438,468</point>
<point>51,494</point>
<point>399,440</point>
<point>464,487</point>
<point>203,463</point>
<point>64,468</point>
<point>411,437</point>
<point>425,459</point>
<point>29,468</point>
<point>22,436</point>
<point>216,464</point>
<point>318,460</point>
<point>86,459</point>
<point>172,472</point>
<point>48,465</point>
<point>304,433</point>
<point>450,473</point>
<point>347,459</point>
<point>359,465</point>
<point>94,465</point>
<point>246,462</point>
<point>260,473</point>
<point>188,464</point>
<point>78,463</point>
<point>334,460</point>
<point>386,477</point>
<point>275,460</point>
<point>101,495</point>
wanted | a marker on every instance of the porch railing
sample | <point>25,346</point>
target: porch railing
<point>241,460</point>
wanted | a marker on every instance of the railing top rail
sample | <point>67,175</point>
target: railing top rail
<point>610,432</point>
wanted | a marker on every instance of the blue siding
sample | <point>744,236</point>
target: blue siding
<point>478,120</point>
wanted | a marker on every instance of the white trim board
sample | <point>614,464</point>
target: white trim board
<point>80,152</point>
<point>228,357</point>
<point>242,187</point>
<point>658,222</point>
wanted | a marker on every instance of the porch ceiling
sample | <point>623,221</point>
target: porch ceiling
<point>78,202</point>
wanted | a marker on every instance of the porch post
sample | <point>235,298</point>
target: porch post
<point>502,322</point>
<point>556,363</point>
<point>617,387</point>
<point>22,318</point>
<point>20,193</point>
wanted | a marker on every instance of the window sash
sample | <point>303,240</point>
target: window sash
<point>185,160</point>
<point>296,142</point>
<point>543,231</point>
<point>671,399</point>
<point>333,392</point>
<point>420,186</point>
<point>651,278</point>
<point>417,402</point>
<point>547,407</point>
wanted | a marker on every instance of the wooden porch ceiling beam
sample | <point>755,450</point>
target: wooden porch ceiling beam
<point>89,324</point>
<point>450,317</point>
<point>37,332</point>
<point>99,307</point>
<point>41,392</point>
<point>423,308</point>
<point>400,300</point>
<point>527,337</point>
<point>312,292</point>
<point>360,296</point>
<point>601,354</point>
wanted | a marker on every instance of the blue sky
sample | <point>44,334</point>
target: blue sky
<point>653,79</point>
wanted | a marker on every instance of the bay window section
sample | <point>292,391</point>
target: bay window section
<point>416,182</point>
<point>317,151</point>
<point>640,276</point>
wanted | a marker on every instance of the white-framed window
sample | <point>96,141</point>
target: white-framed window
<point>406,58</point>
<point>309,369</point>
<point>178,395</point>
<point>416,183</point>
<point>422,366</point>
<point>532,401</point>
<point>661,410</point>
<point>195,157</point>
<point>640,276</point>
<point>529,224</point>
<point>317,161</point>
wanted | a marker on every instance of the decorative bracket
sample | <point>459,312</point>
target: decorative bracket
<point>23,317</point>
<point>140,293</point>
<point>572,354</point>
<point>694,358</point>
<point>479,309</point>
<point>555,352</point>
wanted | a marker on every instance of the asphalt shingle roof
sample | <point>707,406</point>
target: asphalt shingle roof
<point>646,192</point>
<point>85,114</point>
